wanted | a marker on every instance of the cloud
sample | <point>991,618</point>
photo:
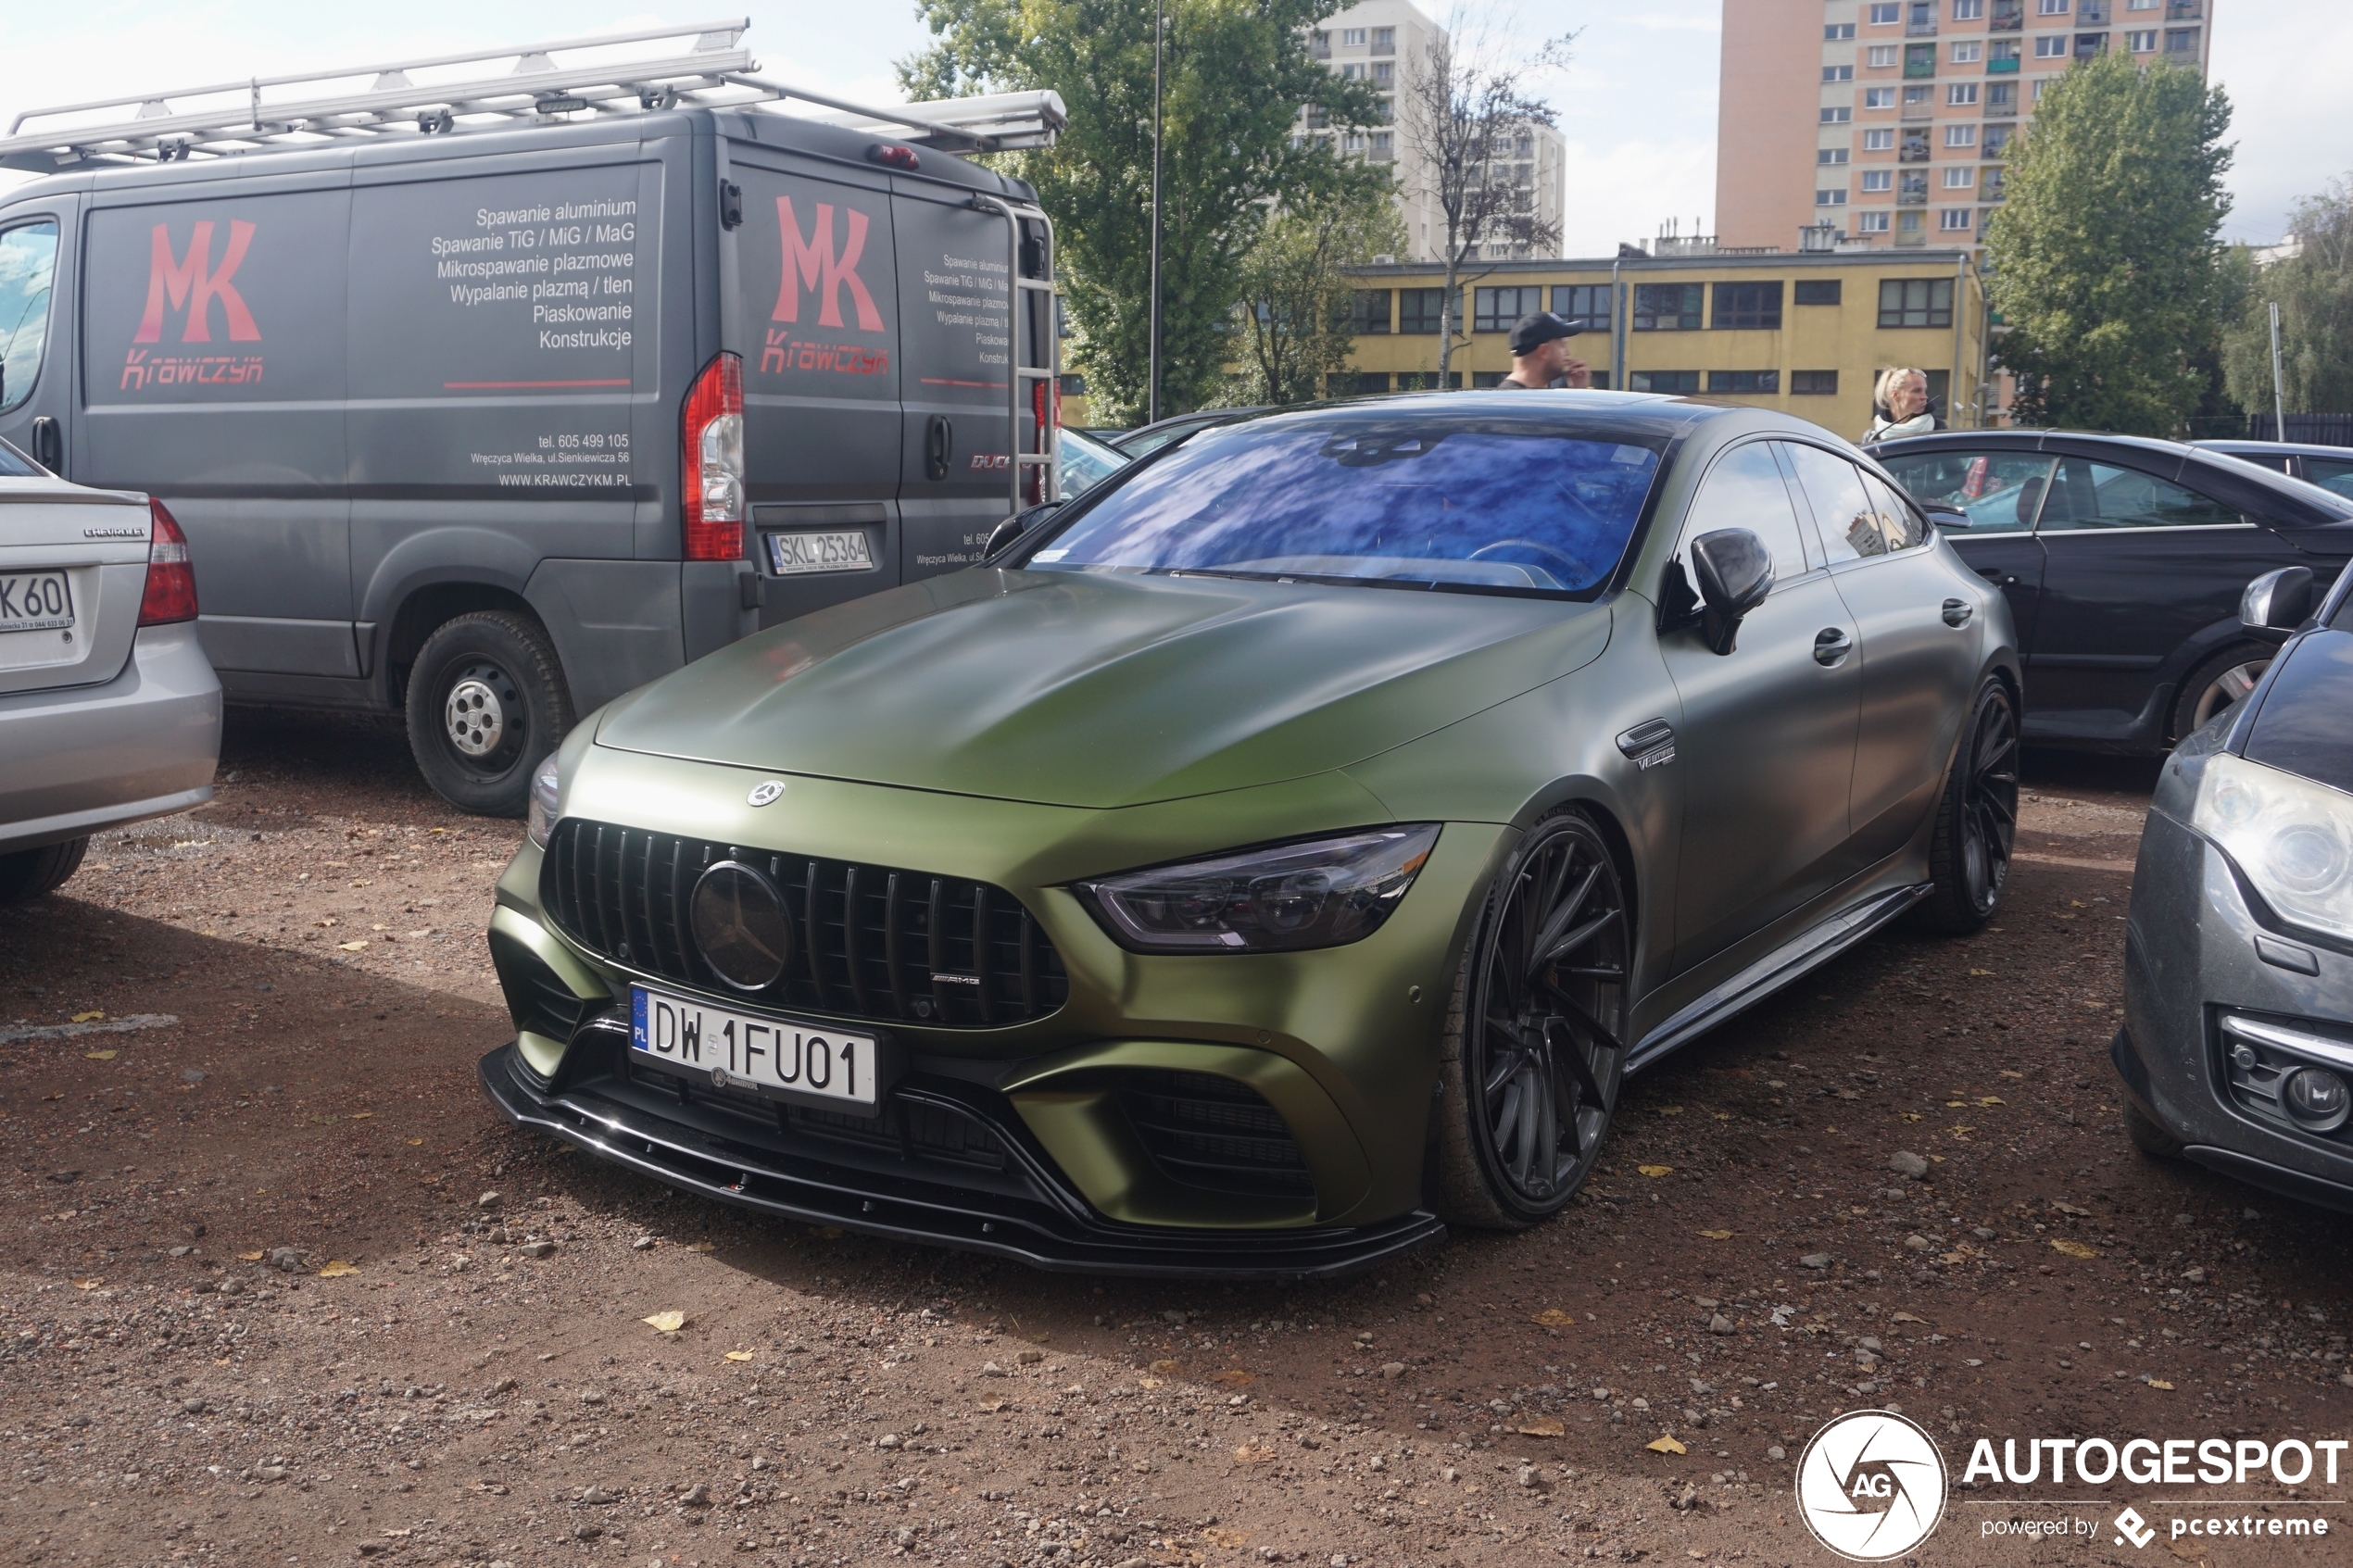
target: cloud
<point>1624,190</point>
<point>2284,68</point>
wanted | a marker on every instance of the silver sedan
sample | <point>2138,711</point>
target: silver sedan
<point>109,712</point>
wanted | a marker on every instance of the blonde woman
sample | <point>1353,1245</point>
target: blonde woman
<point>1899,406</point>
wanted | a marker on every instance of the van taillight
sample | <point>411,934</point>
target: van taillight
<point>171,582</point>
<point>712,445</point>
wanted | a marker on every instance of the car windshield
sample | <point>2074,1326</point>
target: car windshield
<point>1492,501</point>
<point>1083,462</point>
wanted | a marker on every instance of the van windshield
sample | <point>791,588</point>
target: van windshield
<point>1416,500</point>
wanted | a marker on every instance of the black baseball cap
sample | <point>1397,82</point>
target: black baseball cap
<point>1541,327</point>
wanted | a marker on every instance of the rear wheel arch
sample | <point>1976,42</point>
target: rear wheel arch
<point>424,609</point>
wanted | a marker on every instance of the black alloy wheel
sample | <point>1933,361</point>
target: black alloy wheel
<point>1977,820</point>
<point>1535,1047</point>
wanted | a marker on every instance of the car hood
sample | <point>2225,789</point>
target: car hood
<point>1099,690</point>
<point>2300,728</point>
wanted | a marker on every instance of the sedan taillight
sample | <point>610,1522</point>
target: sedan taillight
<point>712,450</point>
<point>171,582</point>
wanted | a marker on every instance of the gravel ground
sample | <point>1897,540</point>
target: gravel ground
<point>280,1287</point>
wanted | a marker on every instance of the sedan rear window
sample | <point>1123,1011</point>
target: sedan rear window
<point>1492,502</point>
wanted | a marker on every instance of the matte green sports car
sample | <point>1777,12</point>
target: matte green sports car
<point>1286,849</point>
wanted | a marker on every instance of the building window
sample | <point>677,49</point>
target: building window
<point>1830,155</point>
<point>1820,292</point>
<point>1918,94</point>
<point>1920,59</point>
<point>1320,45</point>
<point>1352,38</point>
<point>1838,115</point>
<point>1969,10</point>
<point>1752,305</point>
<point>1351,73</point>
<point>1870,223</point>
<point>1879,179</point>
<point>1961,94</point>
<point>1371,382</point>
<point>1483,379</point>
<point>1418,310</point>
<point>1749,381</point>
<point>1495,310</point>
<point>2181,41</point>
<point>2052,7</point>
<point>1916,302</point>
<point>1368,312</point>
<point>2142,43</point>
<point>1879,140</point>
<point>1668,308</point>
<point>1878,97</point>
<point>2088,44</point>
<point>2003,56</point>
<point>1663,380</point>
<point>1385,74</point>
<point>1813,383</point>
<point>1830,198</point>
<point>1427,381</point>
<point>1910,224</point>
<point>1838,73</point>
<point>1838,32</point>
<point>2040,83</point>
<point>1883,57</point>
<point>1991,188</point>
<point>1998,141</point>
<point>2001,97</point>
<point>1968,53</point>
<point>2053,48</point>
<point>1583,302</point>
<point>2141,5</point>
<point>1956,219</point>
<point>1961,179</point>
<point>1384,145</point>
<point>1961,135</point>
<point>1886,16</point>
<point>1384,40</point>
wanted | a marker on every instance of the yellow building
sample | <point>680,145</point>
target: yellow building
<point>1806,332</point>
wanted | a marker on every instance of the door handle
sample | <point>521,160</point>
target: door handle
<point>1831,646</point>
<point>1957,612</point>
<point>1998,578</point>
<point>49,445</point>
<point>939,442</point>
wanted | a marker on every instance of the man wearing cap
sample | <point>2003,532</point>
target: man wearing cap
<point>1540,355</point>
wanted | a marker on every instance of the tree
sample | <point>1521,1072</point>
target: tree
<point>1462,111</point>
<point>1235,75</point>
<point>2314,290</point>
<point>2105,259</point>
<point>1293,322</point>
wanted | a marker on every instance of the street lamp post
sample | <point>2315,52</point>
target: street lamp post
<point>1152,392</point>
<point>2279,397</point>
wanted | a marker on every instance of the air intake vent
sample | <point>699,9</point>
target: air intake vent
<point>871,942</point>
<point>1214,1134</point>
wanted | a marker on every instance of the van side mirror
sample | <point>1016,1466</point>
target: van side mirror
<point>1003,535</point>
<point>2277,603</point>
<point>1735,572</point>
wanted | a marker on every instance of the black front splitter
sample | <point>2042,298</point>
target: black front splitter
<point>1061,1238</point>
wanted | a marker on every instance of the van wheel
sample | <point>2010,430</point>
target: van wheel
<point>28,873</point>
<point>486,699</point>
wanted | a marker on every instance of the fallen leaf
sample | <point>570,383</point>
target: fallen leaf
<point>1909,1115</point>
<point>249,1257</point>
<point>1670,1110</point>
<point>1664,1444</point>
<point>98,1056</point>
<point>1991,1099</point>
<point>1718,1235</point>
<point>1723,1116</point>
<point>1148,1383</point>
<point>2072,1249</point>
<point>1544,1427</point>
<point>2186,1553</point>
<point>2160,1382</point>
<point>1905,1317</point>
<point>1981,972</point>
<point>1165,1369</point>
<point>699,1246</point>
<point>1254,1453</point>
<point>1956,1105</point>
<point>1235,1378</point>
<point>380,928</point>
<point>668,1322</point>
<point>416,1143</point>
<point>87,1017</point>
<point>1656,1169</point>
<point>1229,1539</point>
<point>336,1268</point>
<point>739,1355</point>
<point>91,1284</point>
<point>349,946</point>
<point>1553,1317</point>
<point>361,1115</point>
<point>991,1407</point>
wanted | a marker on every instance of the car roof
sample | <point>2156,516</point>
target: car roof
<point>2238,448</point>
<point>1607,415</point>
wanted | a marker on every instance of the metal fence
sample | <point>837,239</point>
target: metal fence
<point>2318,430</point>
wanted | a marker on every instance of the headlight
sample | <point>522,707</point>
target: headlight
<point>545,783</point>
<point>2292,837</point>
<point>1320,894</point>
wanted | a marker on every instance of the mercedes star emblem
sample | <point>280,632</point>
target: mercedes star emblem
<point>762,794</point>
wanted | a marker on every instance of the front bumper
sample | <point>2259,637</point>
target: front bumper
<point>2197,957</point>
<point>948,1168</point>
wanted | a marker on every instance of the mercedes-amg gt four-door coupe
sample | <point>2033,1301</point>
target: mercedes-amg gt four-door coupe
<point>1281,852</point>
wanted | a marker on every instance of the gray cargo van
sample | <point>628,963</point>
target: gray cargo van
<point>491,425</point>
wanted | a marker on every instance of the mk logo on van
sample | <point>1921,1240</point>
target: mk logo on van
<point>810,263</point>
<point>190,283</point>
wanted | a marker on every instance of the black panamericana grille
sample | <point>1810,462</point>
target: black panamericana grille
<point>872,942</point>
<point>1214,1134</point>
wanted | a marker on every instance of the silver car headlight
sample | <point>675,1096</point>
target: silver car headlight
<point>2292,837</point>
<point>547,782</point>
<point>1324,893</point>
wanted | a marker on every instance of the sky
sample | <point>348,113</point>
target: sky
<point>1637,102</point>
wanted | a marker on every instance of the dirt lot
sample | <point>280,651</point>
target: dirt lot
<point>278,1286</point>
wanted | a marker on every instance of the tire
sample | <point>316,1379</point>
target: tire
<point>1968,856</point>
<point>2147,1137</point>
<point>28,873</point>
<point>2216,686</point>
<point>487,701</point>
<point>1532,1060</point>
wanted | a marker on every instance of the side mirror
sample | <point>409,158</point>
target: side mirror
<point>2277,603</point>
<point>1735,572</point>
<point>1949,517</point>
<point>1012,528</point>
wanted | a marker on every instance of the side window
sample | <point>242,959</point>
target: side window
<point>2086,495</point>
<point>1843,513</point>
<point>28,261</point>
<point>1746,490</point>
<point>2330,474</point>
<point>1999,490</point>
<point>1899,523</point>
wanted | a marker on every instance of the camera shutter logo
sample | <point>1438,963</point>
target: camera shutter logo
<point>1871,1486</point>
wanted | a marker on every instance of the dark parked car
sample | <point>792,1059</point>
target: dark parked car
<point>2237,1044</point>
<point>1144,439</point>
<point>2330,468</point>
<point>2123,560</point>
